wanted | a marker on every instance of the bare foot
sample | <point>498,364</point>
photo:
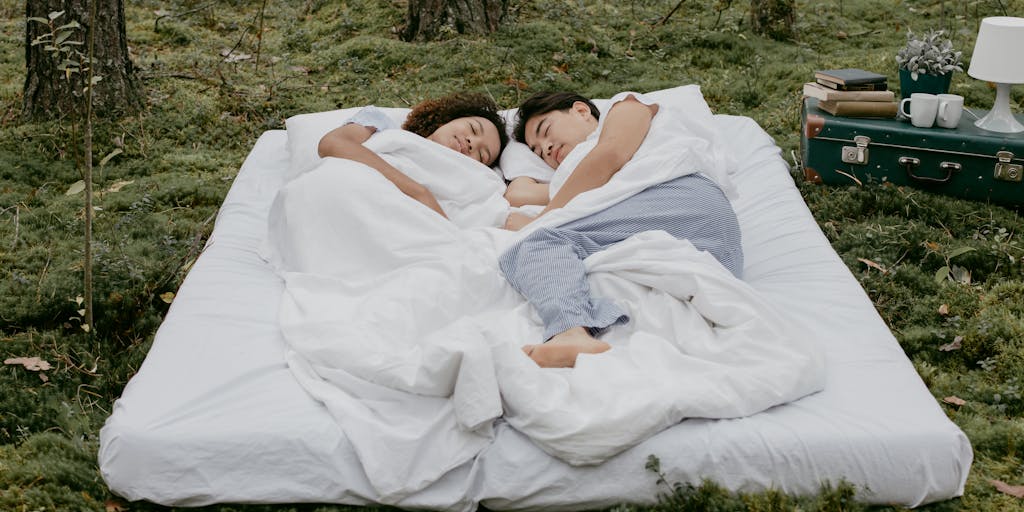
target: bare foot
<point>561,350</point>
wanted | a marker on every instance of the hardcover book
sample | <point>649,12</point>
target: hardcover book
<point>873,86</point>
<point>849,76</point>
<point>886,109</point>
<point>815,90</point>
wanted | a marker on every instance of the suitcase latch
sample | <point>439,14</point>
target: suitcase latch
<point>857,154</point>
<point>1006,171</point>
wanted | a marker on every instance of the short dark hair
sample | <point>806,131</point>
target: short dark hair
<point>429,115</point>
<point>543,102</point>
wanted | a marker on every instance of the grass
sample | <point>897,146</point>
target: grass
<point>204,114</point>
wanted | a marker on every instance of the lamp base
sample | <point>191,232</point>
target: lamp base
<point>1000,118</point>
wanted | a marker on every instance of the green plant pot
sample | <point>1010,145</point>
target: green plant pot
<point>932,84</point>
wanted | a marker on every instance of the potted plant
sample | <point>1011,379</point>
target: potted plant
<point>927,63</point>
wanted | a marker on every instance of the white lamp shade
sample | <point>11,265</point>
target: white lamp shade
<point>999,52</point>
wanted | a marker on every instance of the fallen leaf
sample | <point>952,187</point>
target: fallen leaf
<point>43,377</point>
<point>230,56</point>
<point>114,506</point>
<point>167,297</point>
<point>75,188</point>
<point>873,265</point>
<point>1017,491</point>
<point>944,309</point>
<point>841,35</point>
<point>932,246</point>
<point>33,364</point>
<point>118,185</point>
<point>954,400</point>
<point>953,345</point>
<point>516,83</point>
<point>112,154</point>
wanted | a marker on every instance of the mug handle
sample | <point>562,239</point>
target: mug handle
<point>903,102</point>
<point>942,109</point>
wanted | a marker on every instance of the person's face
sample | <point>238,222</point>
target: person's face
<point>554,134</point>
<point>474,137</point>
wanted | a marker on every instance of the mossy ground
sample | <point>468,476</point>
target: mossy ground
<point>205,110</point>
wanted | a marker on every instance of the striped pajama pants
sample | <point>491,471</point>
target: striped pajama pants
<point>547,267</point>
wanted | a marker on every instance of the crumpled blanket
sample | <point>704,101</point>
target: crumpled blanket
<point>401,323</point>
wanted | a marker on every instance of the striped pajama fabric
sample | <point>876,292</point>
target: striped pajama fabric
<point>547,267</point>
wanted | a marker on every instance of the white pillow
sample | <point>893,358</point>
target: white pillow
<point>306,130</point>
<point>517,160</point>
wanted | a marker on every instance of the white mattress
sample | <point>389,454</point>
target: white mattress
<point>215,415</point>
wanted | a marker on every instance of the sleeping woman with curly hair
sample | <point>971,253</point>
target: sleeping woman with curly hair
<point>465,122</point>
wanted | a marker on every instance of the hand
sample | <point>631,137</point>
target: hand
<point>516,221</point>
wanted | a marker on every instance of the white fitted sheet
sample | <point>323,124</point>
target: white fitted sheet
<point>215,415</point>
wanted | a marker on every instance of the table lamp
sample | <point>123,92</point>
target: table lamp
<point>999,57</point>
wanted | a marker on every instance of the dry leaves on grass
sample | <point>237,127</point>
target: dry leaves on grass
<point>873,265</point>
<point>115,506</point>
<point>954,400</point>
<point>953,345</point>
<point>1017,491</point>
<point>32,364</point>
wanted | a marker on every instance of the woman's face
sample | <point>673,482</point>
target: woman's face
<point>474,137</point>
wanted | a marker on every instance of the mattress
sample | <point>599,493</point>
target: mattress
<point>215,415</point>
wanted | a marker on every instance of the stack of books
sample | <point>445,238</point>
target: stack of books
<point>852,93</point>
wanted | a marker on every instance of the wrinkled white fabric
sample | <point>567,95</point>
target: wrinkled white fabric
<point>402,325</point>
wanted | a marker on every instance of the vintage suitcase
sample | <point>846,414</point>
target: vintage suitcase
<point>965,162</point>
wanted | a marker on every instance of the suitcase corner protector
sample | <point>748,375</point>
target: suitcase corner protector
<point>812,176</point>
<point>813,125</point>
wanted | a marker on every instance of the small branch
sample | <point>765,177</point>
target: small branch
<point>259,35</point>
<point>193,251</point>
<point>17,222</point>
<point>670,13</point>
<point>156,24</point>
<point>88,173</point>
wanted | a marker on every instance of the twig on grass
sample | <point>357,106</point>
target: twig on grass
<point>156,24</point>
<point>191,254</point>
<point>670,13</point>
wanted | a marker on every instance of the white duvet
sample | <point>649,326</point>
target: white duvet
<point>400,322</point>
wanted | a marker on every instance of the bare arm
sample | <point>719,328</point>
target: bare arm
<point>347,142</point>
<point>525,190</point>
<point>623,132</point>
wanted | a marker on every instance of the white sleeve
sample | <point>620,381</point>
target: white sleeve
<point>606,106</point>
<point>372,117</point>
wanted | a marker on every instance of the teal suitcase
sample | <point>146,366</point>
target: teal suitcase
<point>964,162</point>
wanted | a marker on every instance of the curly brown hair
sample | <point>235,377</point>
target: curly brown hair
<point>429,115</point>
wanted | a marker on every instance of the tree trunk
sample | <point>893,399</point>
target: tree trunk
<point>48,93</point>
<point>428,19</point>
<point>773,18</point>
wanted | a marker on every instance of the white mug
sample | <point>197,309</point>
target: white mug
<point>923,109</point>
<point>951,106</point>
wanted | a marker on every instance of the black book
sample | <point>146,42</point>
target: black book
<point>873,86</point>
<point>849,76</point>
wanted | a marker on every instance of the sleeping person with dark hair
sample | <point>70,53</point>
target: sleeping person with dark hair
<point>468,123</point>
<point>587,151</point>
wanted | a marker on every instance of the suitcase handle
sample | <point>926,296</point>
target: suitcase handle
<point>909,163</point>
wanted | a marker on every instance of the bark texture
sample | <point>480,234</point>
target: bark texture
<point>48,94</point>
<point>429,19</point>
<point>773,18</point>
